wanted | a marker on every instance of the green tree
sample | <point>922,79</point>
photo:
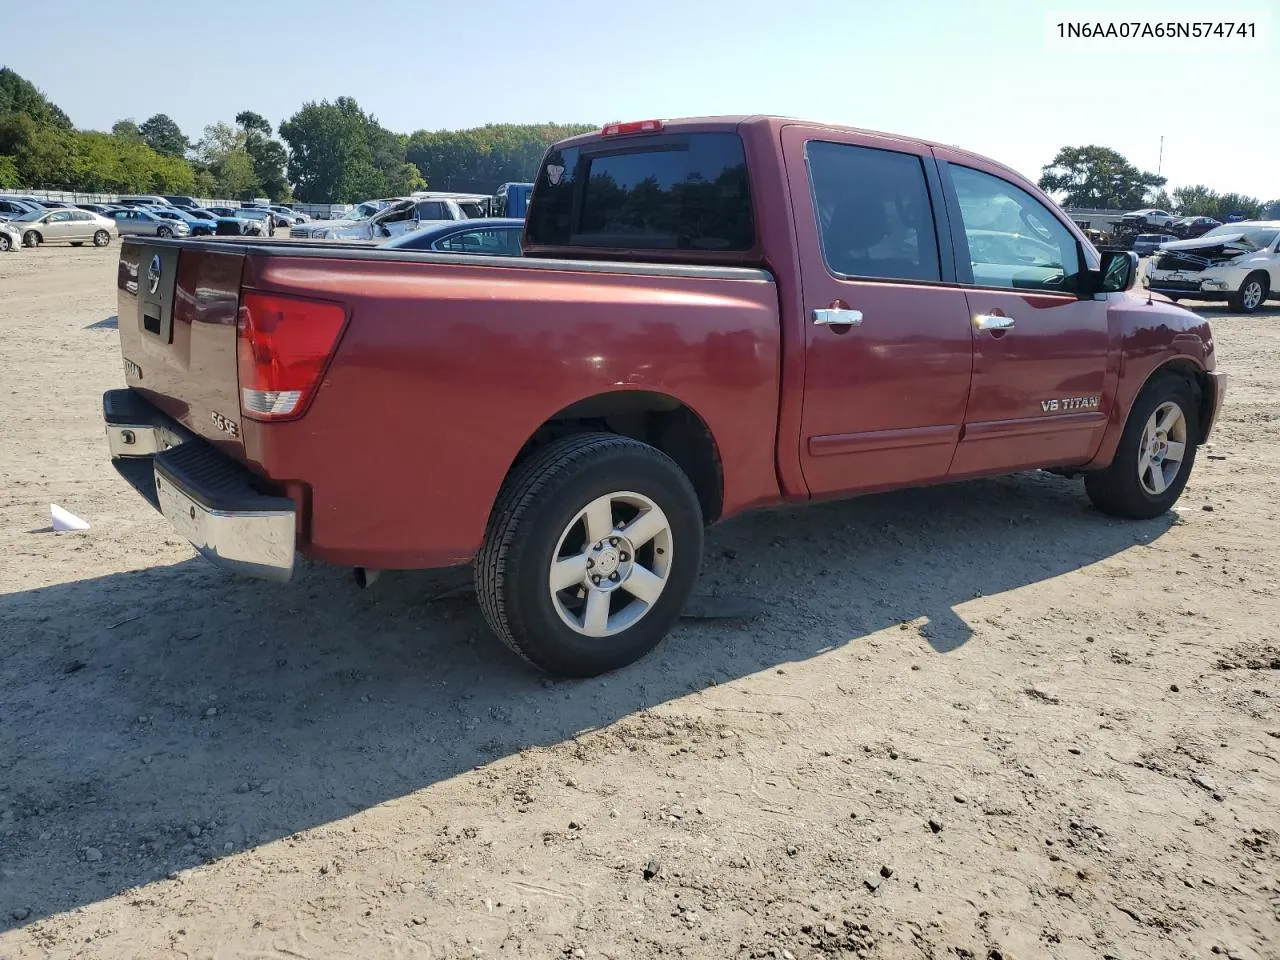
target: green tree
<point>163,135</point>
<point>126,129</point>
<point>268,154</point>
<point>222,151</point>
<point>404,180</point>
<point>1097,177</point>
<point>1196,201</point>
<point>1234,203</point>
<point>331,152</point>
<point>21,96</point>
<point>9,173</point>
<point>480,159</point>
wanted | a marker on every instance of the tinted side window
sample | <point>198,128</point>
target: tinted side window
<point>874,213</point>
<point>1014,241</point>
<point>664,193</point>
<point>81,215</point>
<point>433,211</point>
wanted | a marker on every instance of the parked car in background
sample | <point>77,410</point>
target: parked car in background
<point>511,200</point>
<point>10,237</point>
<point>1145,244</point>
<point>484,236</point>
<point>12,207</point>
<point>200,226</point>
<point>751,313</point>
<point>179,201</point>
<point>223,225</point>
<point>1148,217</point>
<point>101,209</point>
<point>1235,262</point>
<point>230,223</point>
<point>261,221</point>
<point>56,204</point>
<point>70,225</point>
<point>403,216</point>
<point>290,215</point>
<point>147,223</point>
<point>145,200</point>
<point>1189,227</point>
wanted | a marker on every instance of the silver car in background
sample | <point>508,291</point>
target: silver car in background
<point>144,223</point>
<point>64,225</point>
<point>10,238</point>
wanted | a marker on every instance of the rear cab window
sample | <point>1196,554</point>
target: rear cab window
<point>675,192</point>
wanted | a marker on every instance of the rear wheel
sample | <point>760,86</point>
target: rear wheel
<point>5,243</point>
<point>590,554</point>
<point>101,238</point>
<point>31,239</point>
<point>164,232</point>
<point>1155,455</point>
<point>1251,295</point>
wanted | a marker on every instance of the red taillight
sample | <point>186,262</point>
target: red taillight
<point>282,346</point>
<point>635,126</point>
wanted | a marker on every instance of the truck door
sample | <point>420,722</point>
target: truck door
<point>888,350</point>
<point>1042,391</point>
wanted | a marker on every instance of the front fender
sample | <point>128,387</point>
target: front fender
<point>1156,335</point>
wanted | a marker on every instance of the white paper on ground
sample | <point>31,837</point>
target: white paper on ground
<point>64,520</point>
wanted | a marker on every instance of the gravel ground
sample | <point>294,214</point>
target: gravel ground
<point>975,721</point>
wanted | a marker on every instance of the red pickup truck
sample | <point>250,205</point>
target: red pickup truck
<point>711,315</point>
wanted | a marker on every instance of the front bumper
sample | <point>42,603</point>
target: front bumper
<point>212,500</point>
<point>1211,284</point>
<point>1219,381</point>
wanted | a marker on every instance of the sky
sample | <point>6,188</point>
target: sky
<point>981,75</point>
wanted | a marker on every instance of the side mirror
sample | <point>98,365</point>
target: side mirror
<point>1118,271</point>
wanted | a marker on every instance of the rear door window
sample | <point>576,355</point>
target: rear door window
<point>874,213</point>
<point>687,192</point>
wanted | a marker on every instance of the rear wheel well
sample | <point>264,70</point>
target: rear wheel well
<point>1201,387</point>
<point>653,418</point>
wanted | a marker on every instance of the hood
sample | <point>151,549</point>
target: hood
<point>1207,243</point>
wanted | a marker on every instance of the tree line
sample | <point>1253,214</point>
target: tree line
<point>1100,178</point>
<point>325,153</point>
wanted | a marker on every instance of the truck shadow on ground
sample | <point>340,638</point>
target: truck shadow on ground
<point>157,718</point>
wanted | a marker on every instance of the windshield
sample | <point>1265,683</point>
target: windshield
<point>33,215</point>
<point>1257,237</point>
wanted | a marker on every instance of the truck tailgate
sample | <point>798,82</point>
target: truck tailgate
<point>177,312</point>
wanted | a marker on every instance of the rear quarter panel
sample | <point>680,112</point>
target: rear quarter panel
<point>447,369</point>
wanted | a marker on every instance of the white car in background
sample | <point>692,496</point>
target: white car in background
<point>10,238</point>
<point>1236,262</point>
<point>1149,217</point>
<point>401,217</point>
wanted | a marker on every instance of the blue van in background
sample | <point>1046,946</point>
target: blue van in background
<point>512,200</point>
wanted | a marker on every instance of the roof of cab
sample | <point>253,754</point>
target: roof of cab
<point>777,122</point>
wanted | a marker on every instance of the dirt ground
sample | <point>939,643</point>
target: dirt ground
<point>976,721</point>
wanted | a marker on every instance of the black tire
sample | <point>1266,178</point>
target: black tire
<point>1252,294</point>
<point>101,238</point>
<point>5,243</point>
<point>164,232</point>
<point>31,239</point>
<point>537,503</point>
<point>1117,490</point>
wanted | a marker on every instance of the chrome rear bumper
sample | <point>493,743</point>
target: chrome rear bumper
<point>212,500</point>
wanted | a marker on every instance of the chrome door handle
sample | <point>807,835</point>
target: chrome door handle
<point>986,321</point>
<point>837,317</point>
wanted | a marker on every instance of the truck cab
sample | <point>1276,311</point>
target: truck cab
<point>512,199</point>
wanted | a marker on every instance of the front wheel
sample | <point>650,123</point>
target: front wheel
<point>1155,455</point>
<point>1251,295</point>
<point>590,554</point>
<point>164,232</point>
<point>31,239</point>
<point>101,238</point>
<point>5,243</point>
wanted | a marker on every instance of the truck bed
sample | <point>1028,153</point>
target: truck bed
<point>447,366</point>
